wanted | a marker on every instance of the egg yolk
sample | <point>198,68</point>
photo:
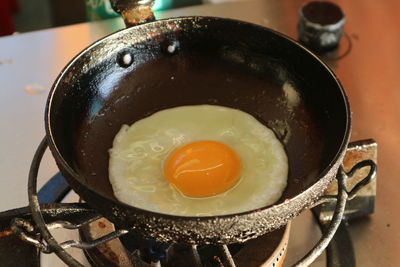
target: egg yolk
<point>203,168</point>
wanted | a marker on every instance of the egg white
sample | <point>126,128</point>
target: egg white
<point>139,151</point>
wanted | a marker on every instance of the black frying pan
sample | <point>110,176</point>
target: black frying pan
<point>213,61</point>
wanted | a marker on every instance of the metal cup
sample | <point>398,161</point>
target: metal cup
<point>320,25</point>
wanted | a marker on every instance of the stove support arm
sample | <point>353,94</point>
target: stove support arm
<point>342,197</point>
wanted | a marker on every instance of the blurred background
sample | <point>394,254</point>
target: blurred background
<point>31,15</point>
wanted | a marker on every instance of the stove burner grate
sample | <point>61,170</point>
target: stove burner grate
<point>43,240</point>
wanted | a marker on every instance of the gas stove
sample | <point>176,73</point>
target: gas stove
<point>283,246</point>
<point>30,62</point>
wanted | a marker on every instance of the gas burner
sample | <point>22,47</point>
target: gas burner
<point>130,250</point>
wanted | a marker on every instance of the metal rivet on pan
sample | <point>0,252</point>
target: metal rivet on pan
<point>125,59</point>
<point>171,47</point>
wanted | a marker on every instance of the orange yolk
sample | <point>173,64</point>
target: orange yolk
<point>203,169</point>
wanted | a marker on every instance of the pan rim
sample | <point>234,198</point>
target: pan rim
<point>61,161</point>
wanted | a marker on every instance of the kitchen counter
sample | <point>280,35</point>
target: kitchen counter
<point>369,73</point>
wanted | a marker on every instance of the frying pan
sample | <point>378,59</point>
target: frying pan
<point>138,71</point>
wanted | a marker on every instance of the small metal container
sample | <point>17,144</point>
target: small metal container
<point>320,25</point>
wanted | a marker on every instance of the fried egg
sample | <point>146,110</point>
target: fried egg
<point>198,160</point>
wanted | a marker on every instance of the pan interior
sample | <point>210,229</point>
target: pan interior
<point>249,68</point>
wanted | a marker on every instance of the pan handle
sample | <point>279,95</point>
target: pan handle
<point>134,12</point>
<point>371,175</point>
<point>343,195</point>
